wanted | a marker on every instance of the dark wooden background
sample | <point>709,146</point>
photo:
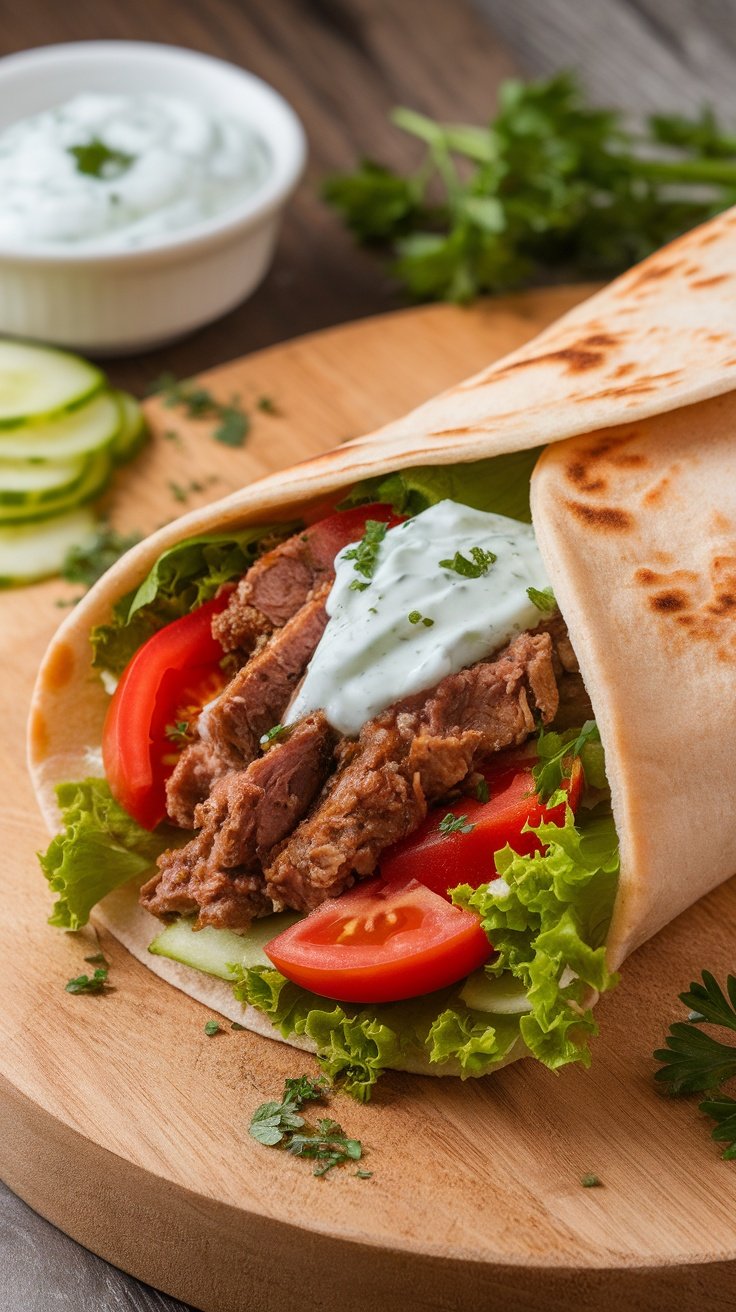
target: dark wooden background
<point>343,64</point>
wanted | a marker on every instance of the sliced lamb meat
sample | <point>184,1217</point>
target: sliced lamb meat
<point>246,815</point>
<point>251,704</point>
<point>273,590</point>
<point>407,757</point>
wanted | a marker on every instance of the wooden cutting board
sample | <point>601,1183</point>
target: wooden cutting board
<point>125,1125</point>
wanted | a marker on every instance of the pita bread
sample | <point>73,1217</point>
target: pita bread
<point>635,512</point>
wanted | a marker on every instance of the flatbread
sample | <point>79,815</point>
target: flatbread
<point>635,512</point>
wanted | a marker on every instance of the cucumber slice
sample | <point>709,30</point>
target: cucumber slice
<point>29,485</point>
<point>34,551</point>
<point>502,995</point>
<point>133,432</point>
<point>78,433</point>
<point>213,950</point>
<point>95,478</point>
<point>37,382</point>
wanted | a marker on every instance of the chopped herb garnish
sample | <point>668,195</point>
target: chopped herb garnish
<point>99,959</point>
<point>85,564</point>
<point>455,824</point>
<point>557,751</point>
<point>233,427</point>
<point>360,1174</point>
<point>235,1025</point>
<point>365,554</point>
<point>178,732</point>
<point>97,160</point>
<point>694,1060</point>
<point>96,983</point>
<point>178,492</point>
<point>267,405</point>
<point>274,735</point>
<point>475,568</point>
<point>482,793</point>
<point>212,1027</point>
<point>416,617</point>
<point>171,435</point>
<point>543,599</point>
<point>199,403</point>
<point>279,1124</point>
<point>590,1181</point>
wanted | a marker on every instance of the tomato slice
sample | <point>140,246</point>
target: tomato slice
<point>166,683</point>
<point>442,860</point>
<point>329,536</point>
<point>380,943</point>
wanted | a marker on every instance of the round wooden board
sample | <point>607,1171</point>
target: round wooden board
<point>126,1126</point>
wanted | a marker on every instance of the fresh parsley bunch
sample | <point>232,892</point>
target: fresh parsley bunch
<point>549,183</point>
<point>694,1061</point>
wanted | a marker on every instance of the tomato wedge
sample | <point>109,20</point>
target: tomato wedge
<point>164,686</point>
<point>443,858</point>
<point>380,943</point>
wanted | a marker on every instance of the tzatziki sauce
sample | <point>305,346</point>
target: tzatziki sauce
<point>117,172</point>
<point>418,619</point>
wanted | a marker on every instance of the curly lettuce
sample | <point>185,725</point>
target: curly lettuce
<point>182,578</point>
<point>546,915</point>
<point>100,848</point>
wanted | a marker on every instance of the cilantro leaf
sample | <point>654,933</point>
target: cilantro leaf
<point>275,1123</point>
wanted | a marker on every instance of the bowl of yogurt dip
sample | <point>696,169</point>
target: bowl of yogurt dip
<point>141,191</point>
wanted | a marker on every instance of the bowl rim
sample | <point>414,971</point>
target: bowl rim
<point>286,142</point>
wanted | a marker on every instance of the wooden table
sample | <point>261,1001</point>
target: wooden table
<point>343,64</point>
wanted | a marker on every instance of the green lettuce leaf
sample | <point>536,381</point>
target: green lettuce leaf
<point>547,916</point>
<point>184,577</point>
<point>356,1044</point>
<point>100,848</point>
<point>499,485</point>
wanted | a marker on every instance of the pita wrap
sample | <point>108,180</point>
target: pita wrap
<point>634,507</point>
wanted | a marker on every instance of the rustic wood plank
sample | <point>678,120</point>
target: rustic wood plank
<point>642,55</point>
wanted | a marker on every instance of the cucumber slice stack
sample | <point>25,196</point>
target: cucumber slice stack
<point>62,432</point>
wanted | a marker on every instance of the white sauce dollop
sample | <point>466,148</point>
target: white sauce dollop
<point>372,655</point>
<point>174,163</point>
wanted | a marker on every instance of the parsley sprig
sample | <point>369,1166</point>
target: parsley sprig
<point>479,564</point>
<point>695,1061</point>
<point>543,599</point>
<point>277,1124</point>
<point>548,183</point>
<point>365,554</point>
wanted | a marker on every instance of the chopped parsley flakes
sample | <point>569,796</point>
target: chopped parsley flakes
<point>212,1027</point>
<point>455,824</point>
<point>416,617</point>
<point>365,554</point>
<point>475,568</point>
<point>96,983</point>
<point>278,1124</point>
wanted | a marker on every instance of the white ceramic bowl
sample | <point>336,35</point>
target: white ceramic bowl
<point>118,302</point>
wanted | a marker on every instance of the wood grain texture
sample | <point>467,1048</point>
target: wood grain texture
<point>127,1126</point>
<point>639,55</point>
